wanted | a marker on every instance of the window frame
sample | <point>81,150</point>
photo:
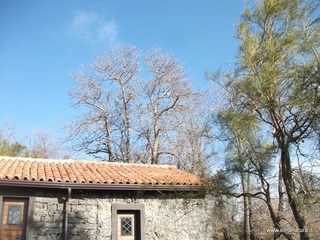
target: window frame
<point>127,207</point>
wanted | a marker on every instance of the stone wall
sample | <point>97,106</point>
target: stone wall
<point>167,217</point>
<point>47,218</point>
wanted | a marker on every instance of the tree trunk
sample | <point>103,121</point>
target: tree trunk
<point>246,221</point>
<point>226,235</point>
<point>276,222</point>
<point>292,196</point>
<point>127,141</point>
<point>108,141</point>
<point>281,193</point>
<point>273,215</point>
<point>279,213</point>
<point>155,147</point>
<point>252,234</point>
<point>126,122</point>
<point>155,152</point>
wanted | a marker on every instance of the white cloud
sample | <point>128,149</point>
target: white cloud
<point>93,28</point>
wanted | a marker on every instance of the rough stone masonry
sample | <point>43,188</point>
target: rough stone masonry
<point>167,216</point>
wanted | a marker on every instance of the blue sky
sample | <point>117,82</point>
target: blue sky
<point>42,41</point>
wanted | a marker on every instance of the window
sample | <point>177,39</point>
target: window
<point>126,225</point>
<point>127,222</point>
<point>14,214</point>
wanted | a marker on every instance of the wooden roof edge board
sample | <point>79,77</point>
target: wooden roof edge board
<point>99,186</point>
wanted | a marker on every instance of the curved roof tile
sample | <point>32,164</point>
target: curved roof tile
<point>80,171</point>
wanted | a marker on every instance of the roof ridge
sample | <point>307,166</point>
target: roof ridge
<point>85,161</point>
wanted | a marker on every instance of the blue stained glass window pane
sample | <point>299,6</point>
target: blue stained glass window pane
<point>14,214</point>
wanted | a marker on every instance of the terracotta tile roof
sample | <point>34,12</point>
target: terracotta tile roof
<point>80,171</point>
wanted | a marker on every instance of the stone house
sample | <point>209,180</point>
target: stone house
<point>75,199</point>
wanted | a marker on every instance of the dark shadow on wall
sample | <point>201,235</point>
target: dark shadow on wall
<point>45,225</point>
<point>79,226</point>
<point>50,225</point>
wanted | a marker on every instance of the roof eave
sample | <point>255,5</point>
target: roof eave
<point>98,186</point>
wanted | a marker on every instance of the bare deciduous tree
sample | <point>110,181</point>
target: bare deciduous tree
<point>41,145</point>
<point>107,91</point>
<point>92,132</point>
<point>121,68</point>
<point>158,111</point>
<point>194,140</point>
<point>166,97</point>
